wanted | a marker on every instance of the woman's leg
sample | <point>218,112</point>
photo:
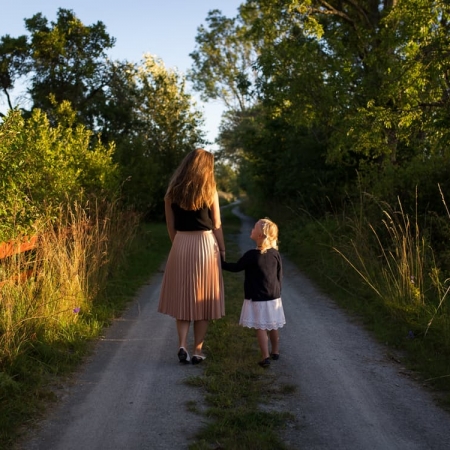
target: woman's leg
<point>183,330</point>
<point>200,328</point>
<point>263,342</point>
<point>274,341</point>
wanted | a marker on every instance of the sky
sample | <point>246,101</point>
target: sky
<point>165,28</point>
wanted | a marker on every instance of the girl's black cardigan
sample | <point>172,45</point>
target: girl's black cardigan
<point>263,274</point>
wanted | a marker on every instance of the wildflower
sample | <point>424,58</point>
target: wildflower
<point>76,310</point>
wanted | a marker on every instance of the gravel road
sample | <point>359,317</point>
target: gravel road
<point>131,395</point>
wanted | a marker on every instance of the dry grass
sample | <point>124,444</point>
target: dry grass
<point>394,259</point>
<point>68,269</point>
<point>390,258</point>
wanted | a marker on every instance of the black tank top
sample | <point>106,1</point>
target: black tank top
<point>198,220</point>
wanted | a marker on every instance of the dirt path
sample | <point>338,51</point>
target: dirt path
<point>131,395</point>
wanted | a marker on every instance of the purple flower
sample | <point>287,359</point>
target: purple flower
<point>76,310</point>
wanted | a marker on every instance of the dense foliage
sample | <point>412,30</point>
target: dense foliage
<point>141,112</point>
<point>43,166</point>
<point>337,87</point>
<point>161,126</point>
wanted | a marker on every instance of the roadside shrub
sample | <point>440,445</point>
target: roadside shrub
<point>43,165</point>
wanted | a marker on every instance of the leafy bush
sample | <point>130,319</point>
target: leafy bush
<point>43,165</point>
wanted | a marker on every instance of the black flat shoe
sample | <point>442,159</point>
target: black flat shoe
<point>183,356</point>
<point>275,356</point>
<point>197,359</point>
<point>265,363</point>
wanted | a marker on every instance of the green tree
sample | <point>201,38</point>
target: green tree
<point>372,74</point>
<point>223,61</point>
<point>13,63</point>
<point>368,80</point>
<point>68,61</point>
<point>166,126</point>
<point>223,69</point>
<point>141,110</point>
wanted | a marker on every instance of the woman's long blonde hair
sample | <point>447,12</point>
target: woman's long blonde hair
<point>192,185</point>
<point>270,231</point>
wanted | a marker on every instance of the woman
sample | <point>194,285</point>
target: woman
<point>192,286</point>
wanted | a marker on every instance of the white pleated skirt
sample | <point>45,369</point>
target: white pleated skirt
<point>266,315</point>
<point>192,286</point>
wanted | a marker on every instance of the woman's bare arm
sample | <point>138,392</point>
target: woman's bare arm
<point>217,225</point>
<point>170,219</point>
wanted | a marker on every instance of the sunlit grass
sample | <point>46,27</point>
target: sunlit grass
<point>69,268</point>
<point>390,260</point>
<point>395,261</point>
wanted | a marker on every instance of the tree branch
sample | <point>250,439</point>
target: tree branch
<point>8,99</point>
<point>329,9</point>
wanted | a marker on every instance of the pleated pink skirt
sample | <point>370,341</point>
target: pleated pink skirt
<point>192,286</point>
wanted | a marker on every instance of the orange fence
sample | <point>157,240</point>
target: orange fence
<point>15,247</point>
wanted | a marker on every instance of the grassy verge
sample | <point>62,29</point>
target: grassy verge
<point>236,387</point>
<point>28,377</point>
<point>147,253</point>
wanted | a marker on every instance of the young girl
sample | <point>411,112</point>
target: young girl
<point>262,308</point>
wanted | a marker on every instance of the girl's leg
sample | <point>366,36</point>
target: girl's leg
<point>263,342</point>
<point>274,341</point>
<point>200,328</point>
<point>183,330</point>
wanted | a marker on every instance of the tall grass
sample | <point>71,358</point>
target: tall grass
<point>394,259</point>
<point>68,269</point>
<point>91,261</point>
<point>390,258</point>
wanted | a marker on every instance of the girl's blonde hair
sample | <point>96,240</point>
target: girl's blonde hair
<point>270,231</point>
<point>192,185</point>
